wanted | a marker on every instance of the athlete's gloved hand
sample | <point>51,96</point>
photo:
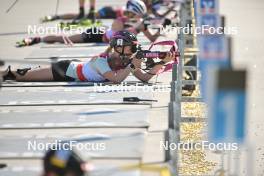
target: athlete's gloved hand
<point>147,21</point>
<point>141,27</point>
<point>136,62</point>
<point>166,22</point>
<point>169,57</point>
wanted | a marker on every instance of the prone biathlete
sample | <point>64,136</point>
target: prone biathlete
<point>106,12</point>
<point>115,67</point>
<point>133,22</point>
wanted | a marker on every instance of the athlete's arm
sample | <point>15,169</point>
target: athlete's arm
<point>117,76</point>
<point>151,37</point>
<point>164,14</point>
<point>146,76</point>
<point>147,33</point>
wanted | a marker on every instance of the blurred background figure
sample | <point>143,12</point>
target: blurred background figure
<point>74,16</point>
<point>154,6</point>
<point>65,163</point>
<point>106,12</point>
<point>82,9</point>
<point>133,21</point>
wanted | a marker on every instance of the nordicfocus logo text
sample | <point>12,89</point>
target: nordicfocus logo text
<point>69,145</point>
<point>57,30</point>
<point>124,87</point>
<point>197,30</point>
<point>190,145</point>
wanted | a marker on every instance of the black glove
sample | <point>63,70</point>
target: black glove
<point>146,23</point>
<point>166,22</point>
<point>140,54</point>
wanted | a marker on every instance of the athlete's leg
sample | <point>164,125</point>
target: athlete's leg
<point>39,74</point>
<point>93,35</point>
<point>81,3</point>
<point>91,14</point>
<point>92,5</point>
<point>52,39</point>
<point>68,16</point>
<point>81,9</point>
<point>77,38</point>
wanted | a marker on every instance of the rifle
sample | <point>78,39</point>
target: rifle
<point>152,58</point>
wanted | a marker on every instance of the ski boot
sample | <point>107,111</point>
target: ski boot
<point>91,16</point>
<point>11,76</point>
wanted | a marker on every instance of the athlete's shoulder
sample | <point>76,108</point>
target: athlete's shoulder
<point>101,61</point>
<point>102,65</point>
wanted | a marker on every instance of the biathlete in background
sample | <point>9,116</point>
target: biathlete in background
<point>106,12</point>
<point>132,21</point>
